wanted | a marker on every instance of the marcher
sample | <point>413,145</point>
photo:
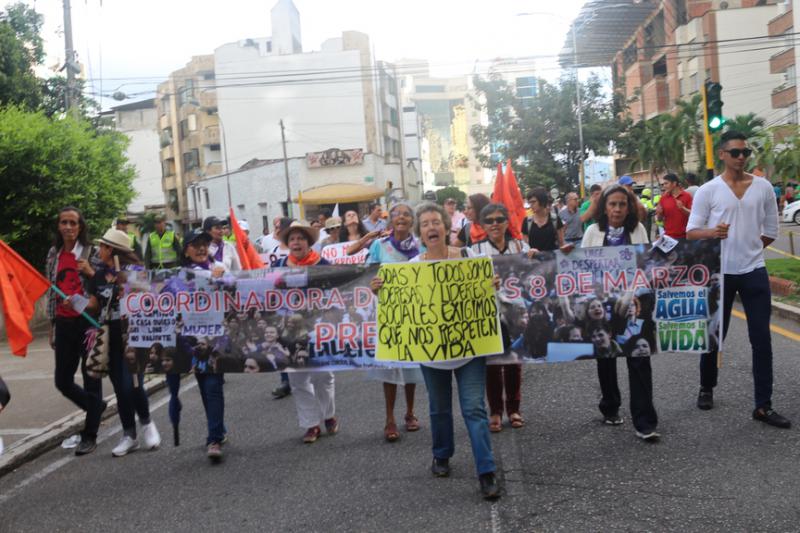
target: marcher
<point>647,202</point>
<point>618,225</point>
<point>313,392</point>
<point>332,227</point>
<point>374,221</point>
<point>692,183</point>
<point>503,372</point>
<point>589,206</point>
<point>674,207</point>
<point>398,247</point>
<point>627,182</point>
<point>194,255</point>
<point>106,288</point>
<point>542,228</point>
<point>220,250</point>
<point>472,231</point>
<point>457,218</point>
<point>740,209</point>
<point>163,248</point>
<point>572,220</point>
<point>71,266</point>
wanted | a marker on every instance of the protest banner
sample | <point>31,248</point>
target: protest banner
<point>336,254</point>
<point>602,302</point>
<point>437,311</point>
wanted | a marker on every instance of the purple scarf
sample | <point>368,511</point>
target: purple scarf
<point>218,253</point>
<point>408,247</point>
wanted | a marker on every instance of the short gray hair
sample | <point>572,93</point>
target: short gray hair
<point>429,207</point>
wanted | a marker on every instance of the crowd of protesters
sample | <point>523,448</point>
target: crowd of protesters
<point>736,207</point>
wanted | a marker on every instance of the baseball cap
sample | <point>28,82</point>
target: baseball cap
<point>625,180</point>
<point>212,221</point>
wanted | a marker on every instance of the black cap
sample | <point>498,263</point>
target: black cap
<point>212,221</point>
<point>194,235</point>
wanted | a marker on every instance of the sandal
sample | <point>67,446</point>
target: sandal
<point>495,424</point>
<point>516,420</point>
<point>390,432</point>
<point>412,424</point>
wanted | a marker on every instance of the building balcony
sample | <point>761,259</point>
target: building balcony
<point>163,122</point>
<point>211,135</point>
<point>168,152</point>
<point>656,96</point>
<point>781,61</point>
<point>168,182</point>
<point>208,99</point>
<point>784,96</point>
<point>780,24</point>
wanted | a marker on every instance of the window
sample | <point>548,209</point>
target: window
<point>629,56</point>
<point>430,88</point>
<point>525,87</point>
<point>184,129</point>
<point>191,159</point>
<point>660,67</point>
<point>209,76</point>
<point>393,116</point>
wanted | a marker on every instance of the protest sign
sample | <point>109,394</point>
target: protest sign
<point>437,311</point>
<point>637,301</point>
<point>336,254</point>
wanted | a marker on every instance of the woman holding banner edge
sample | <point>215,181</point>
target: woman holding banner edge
<point>618,225</point>
<point>433,226</point>
<point>399,246</point>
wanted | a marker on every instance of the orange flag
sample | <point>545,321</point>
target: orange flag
<point>20,286</point>
<point>516,205</point>
<point>248,255</point>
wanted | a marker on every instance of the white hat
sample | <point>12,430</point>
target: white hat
<point>116,239</point>
<point>244,225</point>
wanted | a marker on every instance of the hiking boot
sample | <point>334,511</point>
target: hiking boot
<point>489,487</point>
<point>705,400</point>
<point>440,467</point>
<point>768,416</point>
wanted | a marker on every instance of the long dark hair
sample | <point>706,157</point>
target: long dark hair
<point>344,234</point>
<point>631,219</point>
<point>478,201</point>
<point>83,229</point>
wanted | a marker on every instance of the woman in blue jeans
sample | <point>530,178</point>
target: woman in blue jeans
<point>432,226</point>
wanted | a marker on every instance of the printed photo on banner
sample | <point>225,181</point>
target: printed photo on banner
<point>633,301</point>
<point>437,311</point>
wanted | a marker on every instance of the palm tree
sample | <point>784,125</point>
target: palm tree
<point>750,124</point>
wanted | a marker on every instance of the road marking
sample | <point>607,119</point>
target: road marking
<point>52,467</point>
<point>777,329</point>
<point>787,254</point>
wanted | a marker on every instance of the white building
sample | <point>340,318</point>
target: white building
<point>139,122</point>
<point>337,100</point>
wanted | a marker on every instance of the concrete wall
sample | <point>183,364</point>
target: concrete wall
<point>140,126</point>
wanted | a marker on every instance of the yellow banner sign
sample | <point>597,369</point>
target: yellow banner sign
<point>437,311</point>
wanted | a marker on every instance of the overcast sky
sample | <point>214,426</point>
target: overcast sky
<point>131,45</point>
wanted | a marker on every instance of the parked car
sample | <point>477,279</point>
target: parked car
<point>791,212</point>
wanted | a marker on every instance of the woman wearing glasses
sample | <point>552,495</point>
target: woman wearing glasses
<point>503,372</point>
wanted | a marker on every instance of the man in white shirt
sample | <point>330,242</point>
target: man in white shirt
<point>740,209</point>
<point>267,242</point>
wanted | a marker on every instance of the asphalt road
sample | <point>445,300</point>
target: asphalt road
<point>565,471</point>
<point>782,242</point>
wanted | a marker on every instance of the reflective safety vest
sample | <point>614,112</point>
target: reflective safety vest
<point>647,203</point>
<point>230,238</point>
<point>132,237</point>
<point>161,249</point>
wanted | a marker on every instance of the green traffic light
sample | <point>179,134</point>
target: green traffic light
<point>715,123</point>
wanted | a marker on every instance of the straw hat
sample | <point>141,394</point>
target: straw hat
<point>116,239</point>
<point>312,234</point>
<point>333,223</point>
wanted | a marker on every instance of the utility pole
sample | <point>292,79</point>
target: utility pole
<point>581,176</point>
<point>69,61</point>
<point>286,170</point>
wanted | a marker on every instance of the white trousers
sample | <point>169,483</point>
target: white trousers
<point>313,394</point>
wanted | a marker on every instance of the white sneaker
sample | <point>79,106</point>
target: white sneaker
<point>152,439</point>
<point>125,446</point>
<point>650,436</point>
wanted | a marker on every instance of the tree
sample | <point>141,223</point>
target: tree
<point>21,49</point>
<point>47,163</point>
<point>540,134</point>
<point>451,192</point>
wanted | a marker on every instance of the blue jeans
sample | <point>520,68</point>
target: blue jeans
<point>471,379</point>
<point>753,288</point>
<point>211,393</point>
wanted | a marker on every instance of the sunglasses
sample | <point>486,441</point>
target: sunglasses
<point>736,152</point>
<point>494,220</point>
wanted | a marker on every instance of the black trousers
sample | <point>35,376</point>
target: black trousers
<point>640,379</point>
<point>70,352</point>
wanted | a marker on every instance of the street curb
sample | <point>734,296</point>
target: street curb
<point>33,446</point>
<point>786,311</point>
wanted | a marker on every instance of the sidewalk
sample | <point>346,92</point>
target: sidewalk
<point>38,416</point>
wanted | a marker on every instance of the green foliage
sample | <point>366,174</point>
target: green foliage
<point>451,192</point>
<point>21,49</point>
<point>47,163</point>
<point>541,134</point>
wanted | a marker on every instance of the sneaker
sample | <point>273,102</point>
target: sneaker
<point>768,416</point>
<point>86,446</point>
<point>489,487</point>
<point>152,439</point>
<point>440,467</point>
<point>281,391</point>
<point>612,420</point>
<point>705,400</point>
<point>125,446</point>
<point>312,435</point>
<point>332,426</point>
<point>214,451</point>
<point>648,436</point>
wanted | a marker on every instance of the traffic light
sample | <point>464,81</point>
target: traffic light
<point>714,106</point>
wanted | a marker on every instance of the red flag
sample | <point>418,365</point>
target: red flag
<point>248,255</point>
<point>20,286</point>
<point>516,206</point>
